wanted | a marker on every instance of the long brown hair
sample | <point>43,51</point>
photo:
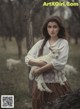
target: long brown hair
<point>61,34</point>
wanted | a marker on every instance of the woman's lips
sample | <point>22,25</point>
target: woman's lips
<point>52,33</point>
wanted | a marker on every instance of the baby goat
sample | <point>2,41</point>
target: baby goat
<point>54,53</point>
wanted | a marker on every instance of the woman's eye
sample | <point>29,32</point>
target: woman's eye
<point>55,26</point>
<point>52,26</point>
<point>49,26</point>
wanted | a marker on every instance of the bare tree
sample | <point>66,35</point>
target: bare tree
<point>76,13</point>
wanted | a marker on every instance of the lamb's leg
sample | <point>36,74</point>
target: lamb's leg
<point>39,81</point>
<point>60,78</point>
<point>31,77</point>
<point>40,87</point>
<point>41,84</point>
<point>46,88</point>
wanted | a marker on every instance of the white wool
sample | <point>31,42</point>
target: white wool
<point>10,63</point>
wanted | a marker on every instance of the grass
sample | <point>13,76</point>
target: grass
<point>15,82</point>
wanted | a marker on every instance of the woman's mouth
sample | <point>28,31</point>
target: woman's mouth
<point>52,33</point>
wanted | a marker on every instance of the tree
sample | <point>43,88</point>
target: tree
<point>76,14</point>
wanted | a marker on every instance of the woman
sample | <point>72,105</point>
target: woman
<point>54,34</point>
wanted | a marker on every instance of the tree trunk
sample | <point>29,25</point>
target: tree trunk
<point>19,45</point>
<point>4,43</point>
<point>29,43</point>
<point>76,40</point>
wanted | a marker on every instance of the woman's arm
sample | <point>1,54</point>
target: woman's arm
<point>32,62</point>
<point>33,53</point>
<point>42,69</point>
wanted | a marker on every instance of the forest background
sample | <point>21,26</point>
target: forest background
<point>20,28</point>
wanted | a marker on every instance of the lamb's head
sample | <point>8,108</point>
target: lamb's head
<point>55,51</point>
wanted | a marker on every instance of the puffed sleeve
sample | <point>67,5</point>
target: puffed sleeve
<point>60,62</point>
<point>33,52</point>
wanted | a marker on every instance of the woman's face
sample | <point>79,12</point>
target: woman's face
<point>53,29</point>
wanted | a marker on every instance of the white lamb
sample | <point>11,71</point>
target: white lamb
<point>10,63</point>
<point>54,53</point>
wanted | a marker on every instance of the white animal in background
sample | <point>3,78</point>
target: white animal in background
<point>54,53</point>
<point>67,70</point>
<point>11,63</point>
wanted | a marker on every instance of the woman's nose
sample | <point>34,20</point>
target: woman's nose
<point>52,29</point>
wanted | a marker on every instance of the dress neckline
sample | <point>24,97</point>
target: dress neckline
<point>53,43</point>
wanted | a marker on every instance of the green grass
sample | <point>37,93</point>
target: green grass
<point>15,82</point>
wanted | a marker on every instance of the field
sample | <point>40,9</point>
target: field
<point>15,82</point>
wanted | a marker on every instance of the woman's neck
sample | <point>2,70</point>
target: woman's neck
<point>53,40</point>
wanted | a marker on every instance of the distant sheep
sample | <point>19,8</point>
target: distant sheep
<point>54,53</point>
<point>11,63</point>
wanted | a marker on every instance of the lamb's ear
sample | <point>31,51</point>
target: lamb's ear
<point>50,48</point>
<point>60,48</point>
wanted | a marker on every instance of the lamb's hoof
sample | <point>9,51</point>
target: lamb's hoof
<point>41,89</point>
<point>62,83</point>
<point>50,91</point>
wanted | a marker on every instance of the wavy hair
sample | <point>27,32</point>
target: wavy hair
<point>61,34</point>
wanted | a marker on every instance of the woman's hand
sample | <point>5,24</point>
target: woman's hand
<point>42,69</point>
<point>36,72</point>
